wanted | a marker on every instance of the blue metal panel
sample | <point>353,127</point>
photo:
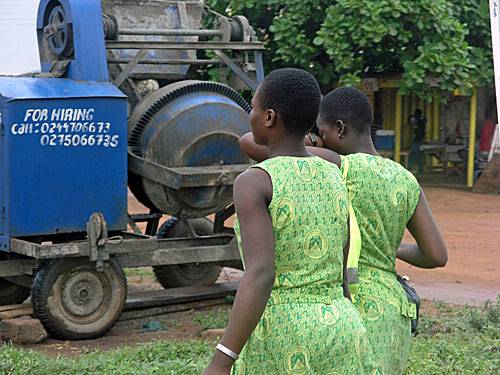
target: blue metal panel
<point>15,88</point>
<point>85,16</point>
<point>4,243</point>
<point>63,159</point>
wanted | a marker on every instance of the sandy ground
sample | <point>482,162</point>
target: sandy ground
<point>470,225</point>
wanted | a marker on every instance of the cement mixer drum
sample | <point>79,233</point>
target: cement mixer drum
<point>187,124</point>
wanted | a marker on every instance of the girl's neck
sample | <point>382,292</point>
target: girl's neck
<point>364,145</point>
<point>288,147</point>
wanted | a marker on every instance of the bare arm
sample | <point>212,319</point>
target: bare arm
<point>259,153</point>
<point>252,194</point>
<point>253,150</point>
<point>430,249</point>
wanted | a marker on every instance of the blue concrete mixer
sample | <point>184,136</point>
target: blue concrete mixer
<point>72,141</point>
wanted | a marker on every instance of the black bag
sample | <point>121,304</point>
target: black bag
<point>413,297</point>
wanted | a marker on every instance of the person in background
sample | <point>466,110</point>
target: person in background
<point>486,136</point>
<point>417,123</point>
<point>386,199</point>
<point>290,315</point>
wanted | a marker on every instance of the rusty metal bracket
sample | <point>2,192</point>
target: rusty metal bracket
<point>129,67</point>
<point>221,217</point>
<point>236,69</point>
<point>97,235</point>
<point>133,225</point>
<point>180,177</point>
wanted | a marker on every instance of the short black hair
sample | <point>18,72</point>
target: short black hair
<point>294,95</point>
<point>418,112</point>
<point>349,105</point>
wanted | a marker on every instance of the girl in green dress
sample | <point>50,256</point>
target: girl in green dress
<point>290,315</point>
<point>386,198</point>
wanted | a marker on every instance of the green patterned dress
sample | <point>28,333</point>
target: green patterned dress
<point>308,327</point>
<point>384,196</point>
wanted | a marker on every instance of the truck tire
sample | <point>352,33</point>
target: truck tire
<point>11,293</point>
<point>75,302</point>
<point>179,275</point>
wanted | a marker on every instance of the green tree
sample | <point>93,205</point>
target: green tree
<point>476,16</point>
<point>436,45</point>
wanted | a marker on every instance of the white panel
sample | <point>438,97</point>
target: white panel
<point>18,44</point>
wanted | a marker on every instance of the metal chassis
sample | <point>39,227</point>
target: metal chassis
<point>133,249</point>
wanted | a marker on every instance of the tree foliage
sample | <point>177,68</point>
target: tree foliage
<point>435,45</point>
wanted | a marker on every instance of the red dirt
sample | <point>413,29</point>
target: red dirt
<point>470,225</point>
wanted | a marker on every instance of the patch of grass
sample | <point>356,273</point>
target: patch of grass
<point>140,275</point>
<point>453,341</point>
<point>213,320</point>
<point>141,272</point>
<point>182,358</point>
<point>458,341</point>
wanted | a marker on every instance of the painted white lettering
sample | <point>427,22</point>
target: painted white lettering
<point>79,114</point>
<point>68,113</point>
<point>56,114</point>
<point>90,114</point>
<point>28,114</point>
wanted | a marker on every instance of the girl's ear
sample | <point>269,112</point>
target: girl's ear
<point>340,128</point>
<point>270,117</point>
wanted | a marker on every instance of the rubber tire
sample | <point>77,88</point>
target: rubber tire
<point>179,275</point>
<point>11,294</point>
<point>47,297</point>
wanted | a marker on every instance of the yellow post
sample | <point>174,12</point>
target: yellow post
<point>397,126</point>
<point>435,118</point>
<point>371,98</point>
<point>392,94</point>
<point>405,143</point>
<point>430,122</point>
<point>472,138</point>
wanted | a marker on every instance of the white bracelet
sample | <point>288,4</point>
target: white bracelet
<point>227,351</point>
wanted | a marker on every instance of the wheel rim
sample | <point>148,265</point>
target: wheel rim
<point>58,40</point>
<point>84,295</point>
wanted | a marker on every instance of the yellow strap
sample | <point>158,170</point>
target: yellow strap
<point>355,244</point>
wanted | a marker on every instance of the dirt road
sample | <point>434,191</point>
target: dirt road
<point>470,224</point>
